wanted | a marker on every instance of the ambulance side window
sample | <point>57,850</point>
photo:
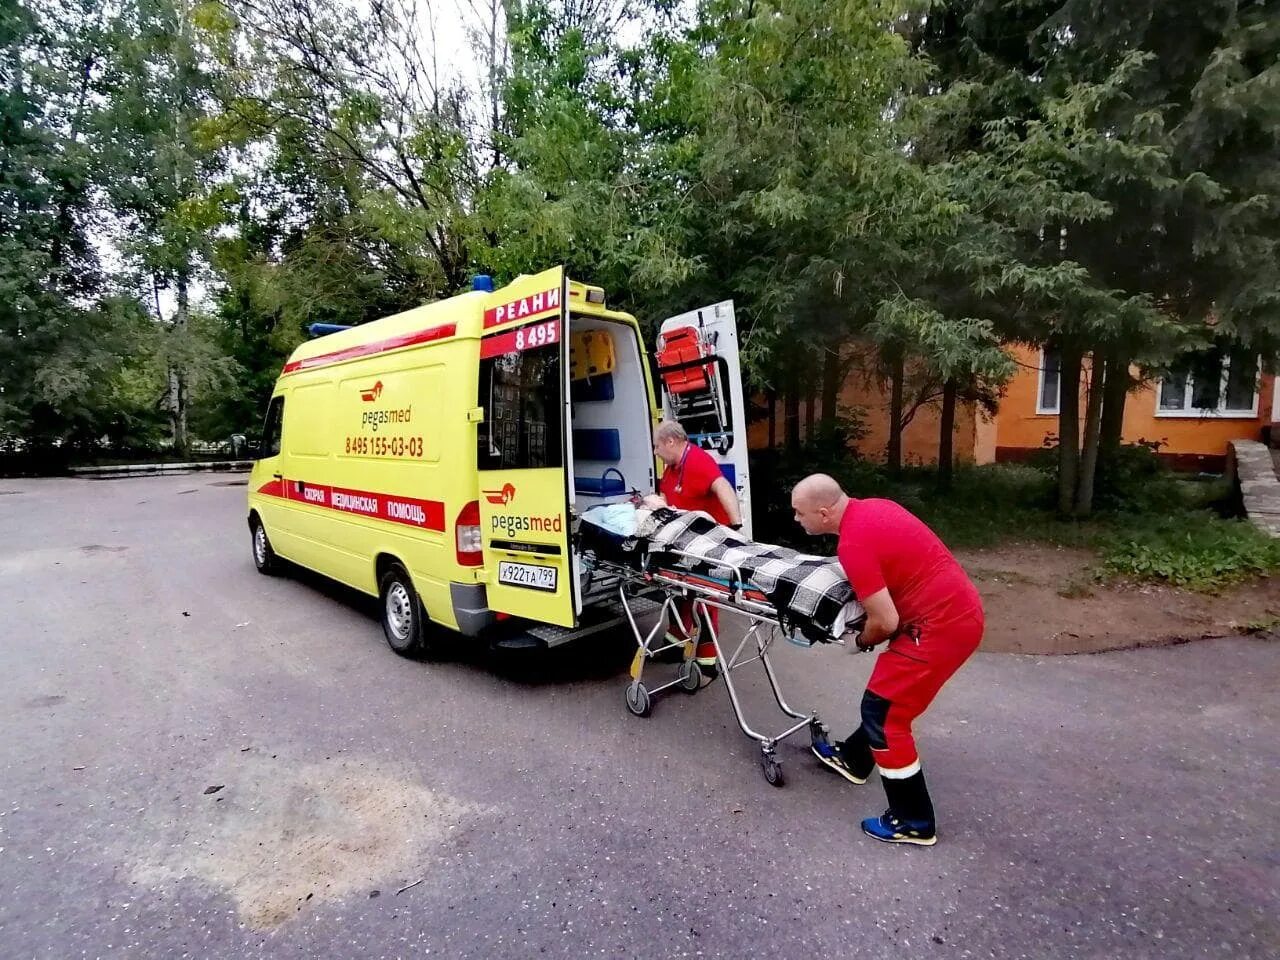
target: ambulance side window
<point>273,428</point>
<point>521,396</point>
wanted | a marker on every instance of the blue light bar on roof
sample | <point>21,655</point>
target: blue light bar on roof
<point>324,329</point>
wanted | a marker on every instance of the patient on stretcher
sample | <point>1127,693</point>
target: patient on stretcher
<point>810,593</point>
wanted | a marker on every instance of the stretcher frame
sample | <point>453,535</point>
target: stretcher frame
<point>674,585</point>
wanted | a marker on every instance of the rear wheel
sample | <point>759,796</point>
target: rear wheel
<point>404,622</point>
<point>264,558</point>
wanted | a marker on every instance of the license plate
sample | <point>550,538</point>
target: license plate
<point>532,575</point>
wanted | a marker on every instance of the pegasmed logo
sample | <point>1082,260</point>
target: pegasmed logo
<point>512,526</point>
<point>376,418</point>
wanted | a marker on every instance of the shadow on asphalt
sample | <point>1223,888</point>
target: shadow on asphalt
<point>602,656</point>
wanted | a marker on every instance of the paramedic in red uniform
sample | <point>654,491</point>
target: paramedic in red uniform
<point>691,480</point>
<point>919,599</point>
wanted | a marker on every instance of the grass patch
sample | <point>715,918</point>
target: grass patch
<point>1266,625</point>
<point>1192,549</point>
<point>1156,528</point>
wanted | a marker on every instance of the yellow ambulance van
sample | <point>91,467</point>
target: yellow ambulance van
<point>438,458</point>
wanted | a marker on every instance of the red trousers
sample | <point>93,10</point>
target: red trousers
<point>906,678</point>
<point>681,623</point>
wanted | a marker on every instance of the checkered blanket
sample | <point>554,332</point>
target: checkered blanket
<point>810,593</point>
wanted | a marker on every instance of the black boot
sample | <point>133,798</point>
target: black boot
<point>909,818</point>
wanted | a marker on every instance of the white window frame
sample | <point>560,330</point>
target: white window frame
<point>1220,412</point>
<point>1042,410</point>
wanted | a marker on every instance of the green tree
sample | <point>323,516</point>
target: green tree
<point>63,347</point>
<point>1112,147</point>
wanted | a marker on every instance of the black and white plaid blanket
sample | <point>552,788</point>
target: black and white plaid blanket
<point>807,591</point>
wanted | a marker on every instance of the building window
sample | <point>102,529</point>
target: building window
<point>1215,383</point>
<point>1050,379</point>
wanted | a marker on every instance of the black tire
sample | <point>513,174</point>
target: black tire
<point>264,557</point>
<point>690,677</point>
<point>638,700</point>
<point>404,621</point>
<point>773,772</point>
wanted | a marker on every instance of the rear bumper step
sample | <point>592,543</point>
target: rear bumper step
<point>596,619</point>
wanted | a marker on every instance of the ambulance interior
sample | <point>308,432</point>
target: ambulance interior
<point>612,434</point>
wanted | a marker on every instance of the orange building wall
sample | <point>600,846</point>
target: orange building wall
<point>1186,440</point>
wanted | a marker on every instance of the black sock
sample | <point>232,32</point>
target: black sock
<point>909,798</point>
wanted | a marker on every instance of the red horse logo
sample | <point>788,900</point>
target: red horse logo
<point>372,394</point>
<point>505,495</point>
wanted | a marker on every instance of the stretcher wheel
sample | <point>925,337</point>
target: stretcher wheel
<point>773,771</point>
<point>638,700</point>
<point>690,677</point>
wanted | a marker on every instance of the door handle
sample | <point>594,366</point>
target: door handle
<point>277,476</point>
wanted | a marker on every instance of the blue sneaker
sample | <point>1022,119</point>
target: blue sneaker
<point>893,829</point>
<point>829,756</point>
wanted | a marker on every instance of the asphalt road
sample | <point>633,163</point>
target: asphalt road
<point>1121,804</point>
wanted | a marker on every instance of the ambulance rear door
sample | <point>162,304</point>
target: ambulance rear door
<point>700,379</point>
<point>524,449</point>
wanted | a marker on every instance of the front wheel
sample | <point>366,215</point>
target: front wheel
<point>403,620</point>
<point>773,771</point>
<point>638,700</point>
<point>264,558</point>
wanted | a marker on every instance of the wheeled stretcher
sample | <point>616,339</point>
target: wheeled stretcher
<point>648,576</point>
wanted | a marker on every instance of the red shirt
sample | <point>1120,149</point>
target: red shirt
<point>882,544</point>
<point>687,485</point>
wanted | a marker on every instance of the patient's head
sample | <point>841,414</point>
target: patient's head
<point>653,501</point>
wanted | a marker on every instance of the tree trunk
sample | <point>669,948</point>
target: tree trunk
<point>946,435</point>
<point>791,414</point>
<point>830,387</point>
<point>177,373</point>
<point>64,203</point>
<point>1092,433</point>
<point>1115,393</point>
<point>1068,428</point>
<point>810,409</point>
<point>772,396</point>
<point>897,373</point>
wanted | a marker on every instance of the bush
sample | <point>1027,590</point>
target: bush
<point>1190,549</point>
<point>988,504</point>
<point>774,472</point>
<point>1164,534</point>
<point>1133,477</point>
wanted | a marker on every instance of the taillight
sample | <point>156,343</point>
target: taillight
<point>467,533</point>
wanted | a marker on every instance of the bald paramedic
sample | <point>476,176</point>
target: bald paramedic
<point>920,601</point>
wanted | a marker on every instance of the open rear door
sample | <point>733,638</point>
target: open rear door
<point>701,383</point>
<point>524,450</point>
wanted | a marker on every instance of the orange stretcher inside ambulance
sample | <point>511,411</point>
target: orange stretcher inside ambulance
<point>439,458</point>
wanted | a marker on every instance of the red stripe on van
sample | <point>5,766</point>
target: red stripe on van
<point>528,307</point>
<point>537,334</point>
<point>423,514</point>
<point>368,349</point>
